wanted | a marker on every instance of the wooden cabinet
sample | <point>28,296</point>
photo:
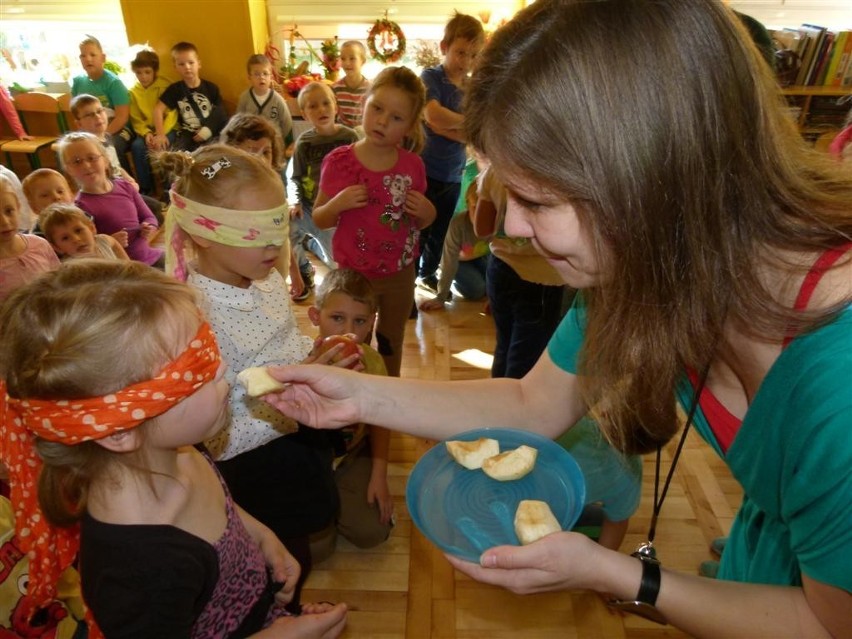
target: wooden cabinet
<point>818,109</point>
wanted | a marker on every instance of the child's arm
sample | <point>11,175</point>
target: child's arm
<point>327,211</point>
<point>122,115</point>
<point>283,566</point>
<point>160,141</point>
<point>215,121</point>
<point>439,117</point>
<point>418,206</point>
<point>378,491</point>
<point>117,248</point>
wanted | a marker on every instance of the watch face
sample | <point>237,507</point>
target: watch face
<point>639,608</point>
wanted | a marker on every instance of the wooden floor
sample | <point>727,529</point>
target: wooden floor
<point>405,589</point>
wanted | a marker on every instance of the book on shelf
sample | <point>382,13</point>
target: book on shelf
<point>809,45</point>
<point>837,58</point>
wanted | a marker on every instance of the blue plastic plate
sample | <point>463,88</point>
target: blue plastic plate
<point>465,512</point>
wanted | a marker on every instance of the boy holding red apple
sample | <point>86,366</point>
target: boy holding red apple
<point>344,311</point>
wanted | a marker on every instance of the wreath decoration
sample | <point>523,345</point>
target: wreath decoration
<point>391,39</point>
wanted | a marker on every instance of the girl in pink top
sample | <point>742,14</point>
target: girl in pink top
<point>22,257</point>
<point>372,191</point>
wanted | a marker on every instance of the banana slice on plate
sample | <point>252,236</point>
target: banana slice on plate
<point>258,381</point>
<point>534,520</point>
<point>472,454</point>
<point>512,464</point>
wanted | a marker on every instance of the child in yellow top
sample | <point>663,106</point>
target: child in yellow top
<point>143,98</point>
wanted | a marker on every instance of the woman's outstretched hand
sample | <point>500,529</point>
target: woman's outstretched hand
<point>561,561</point>
<point>319,396</point>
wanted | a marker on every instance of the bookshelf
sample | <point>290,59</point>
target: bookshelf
<point>816,108</point>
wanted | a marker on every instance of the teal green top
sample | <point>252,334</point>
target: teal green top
<point>792,456</point>
<point>469,175</point>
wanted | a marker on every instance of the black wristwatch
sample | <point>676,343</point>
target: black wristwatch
<point>649,588</point>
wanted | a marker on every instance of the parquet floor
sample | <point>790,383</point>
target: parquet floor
<point>405,589</point>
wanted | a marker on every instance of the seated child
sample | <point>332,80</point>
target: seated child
<point>42,188</point>
<point>261,99</point>
<point>613,480</point>
<point>464,259</point>
<point>116,207</point>
<point>26,217</point>
<point>91,118</point>
<point>22,257</point>
<point>109,90</point>
<point>143,98</point>
<point>72,233</point>
<point>345,303</point>
<point>201,114</point>
<point>352,87</point>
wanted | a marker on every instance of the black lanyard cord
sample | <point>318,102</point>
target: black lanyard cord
<point>659,498</point>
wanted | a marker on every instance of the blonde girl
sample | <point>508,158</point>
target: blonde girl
<point>72,234</point>
<point>225,231</point>
<point>372,191</point>
<point>115,206</point>
<point>255,134</point>
<point>23,257</point>
<point>108,378</point>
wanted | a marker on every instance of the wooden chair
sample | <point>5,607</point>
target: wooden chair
<point>68,124</point>
<point>42,119</point>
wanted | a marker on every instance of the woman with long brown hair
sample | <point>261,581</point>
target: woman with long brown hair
<point>648,157</point>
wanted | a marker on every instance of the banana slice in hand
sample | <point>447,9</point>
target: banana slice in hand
<point>511,465</point>
<point>472,454</point>
<point>258,381</point>
<point>534,520</point>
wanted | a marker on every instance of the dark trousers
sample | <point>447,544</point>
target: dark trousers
<point>444,196</point>
<point>525,315</point>
<point>287,485</point>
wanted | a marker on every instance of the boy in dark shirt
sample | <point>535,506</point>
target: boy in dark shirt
<point>201,115</point>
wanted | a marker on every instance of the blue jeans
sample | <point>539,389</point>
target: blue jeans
<point>525,315</point>
<point>444,196</point>
<point>318,240</point>
<point>470,278</point>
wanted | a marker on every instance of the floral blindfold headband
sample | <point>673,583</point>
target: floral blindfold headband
<point>230,227</point>
<point>75,421</point>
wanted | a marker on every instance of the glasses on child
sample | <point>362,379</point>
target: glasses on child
<point>85,159</point>
<point>92,114</point>
<point>261,74</point>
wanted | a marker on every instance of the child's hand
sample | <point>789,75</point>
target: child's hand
<point>296,212</point>
<point>419,207</point>
<point>352,197</point>
<point>434,304</point>
<point>283,567</point>
<point>319,355</point>
<point>147,230</point>
<point>159,142</point>
<point>121,237</point>
<point>378,493</point>
<point>317,621</point>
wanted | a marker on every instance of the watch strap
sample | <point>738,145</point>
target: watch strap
<point>649,589</point>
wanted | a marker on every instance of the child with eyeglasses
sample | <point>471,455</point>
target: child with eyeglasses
<point>115,206</point>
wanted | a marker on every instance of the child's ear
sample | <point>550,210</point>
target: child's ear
<point>314,315</point>
<point>125,441</point>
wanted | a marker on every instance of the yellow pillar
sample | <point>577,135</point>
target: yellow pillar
<point>226,33</point>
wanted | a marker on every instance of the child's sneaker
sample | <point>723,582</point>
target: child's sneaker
<point>307,276</point>
<point>301,297</point>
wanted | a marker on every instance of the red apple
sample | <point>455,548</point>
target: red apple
<point>350,347</point>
